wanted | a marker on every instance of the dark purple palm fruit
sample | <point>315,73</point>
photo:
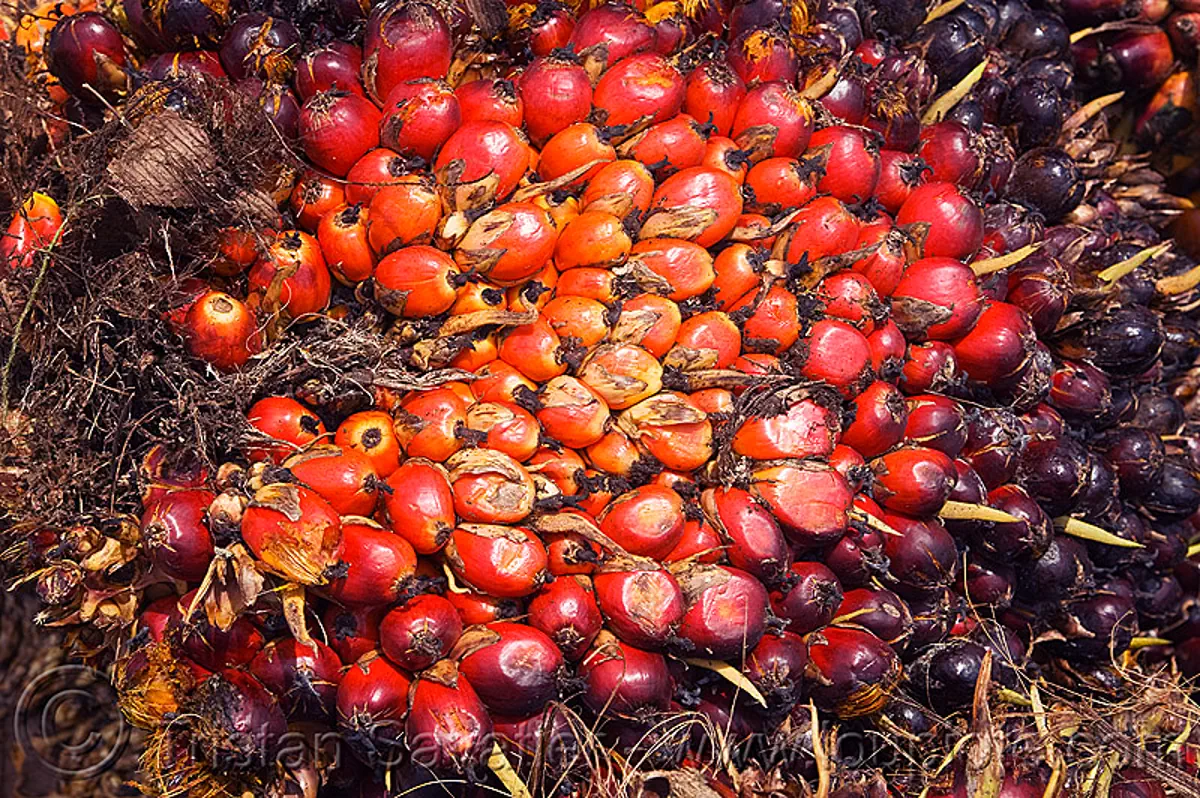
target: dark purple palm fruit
<point>1041,287</point>
<point>1167,545</point>
<point>893,116</point>
<point>1136,454</point>
<point>1009,540</point>
<point>188,24</point>
<point>278,103</point>
<point>969,489</point>
<point>236,721</point>
<point>909,73</point>
<point>1043,427</point>
<point>1127,525</point>
<point>1099,503</point>
<point>776,667</point>
<point>944,676</point>
<point>1046,180</point>
<point>881,612</point>
<point>985,583</point>
<point>1035,109</point>
<point>922,557</point>
<point>1064,570</point>
<point>995,442</point>
<point>1158,598</point>
<point>898,19</point>
<point>87,55</point>
<point>856,557</point>
<point>844,20</point>
<point>1177,494</point>
<point>934,615</point>
<point>1007,227</point>
<point>1098,627</point>
<point>1181,344</point>
<point>1080,392</point>
<point>752,15</point>
<point>1125,340</point>
<point>1008,651</point>
<point>1056,72</point>
<point>952,46</point>
<point>811,599</point>
<point>1056,478</point>
<point>1159,412</point>
<point>1031,384</point>
<point>259,46</point>
<point>1037,33</point>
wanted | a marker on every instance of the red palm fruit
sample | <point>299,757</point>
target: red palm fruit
<point>337,65</point>
<point>535,350</point>
<point>722,154</point>
<point>712,95</point>
<point>922,557</point>
<point>763,54</point>
<point>622,375</point>
<point>427,423</point>
<point>700,542</point>
<point>849,296</point>
<point>416,281</point>
<point>823,227</point>
<point>205,64</point>
<point>572,148</point>
<point>509,244</point>
<point>475,608</point>
<point>513,666</point>
<point>287,421</point>
<point>493,99</point>
<point>641,602</point>
<point>36,226</point>
<point>221,330</point>
<point>776,667</point>
<point>929,367</point>
<point>536,292</point>
<point>371,433</point>
<point>851,158</point>
<point>950,223</point>
<point>887,349</point>
<point>685,268</point>
<point>677,143</point>
<point>726,611</point>
<point>570,553</point>
<point>774,326</point>
<point>592,239</point>
<point>419,632</point>
<point>593,283</point>
<point>406,212</point>
<point>337,128</point>
<point>810,500</point>
<point>641,85</point>
<point>239,719</point>
<point>737,270</point>
<point>579,317</point>
<point>487,152</point>
<point>804,428</point>
<point>212,648</point>
<point>503,561</point>
<point>342,235</point>
<point>810,600</point>
<point>879,420</point>
<point>1028,537</point>
<point>378,565</point>
<point>615,453</point>
<point>175,535</point>
<point>900,173</point>
<point>559,89</point>
<point>87,55</point>
<point>752,538</point>
<point>490,487</point>
<point>880,612</point>
<point>550,28</point>
<point>781,184</point>
<point>913,480</point>
<point>563,467</point>
<point>610,32</point>
<point>344,478</point>
<point>353,631</point>
<point>505,428</point>
<point>304,676</point>
<point>622,188</point>
<point>951,151</point>
<point>938,299</point>
<point>773,120</point>
<point>448,728</point>
<point>670,429</point>
<point>404,43</point>
<point>378,168</point>
<point>706,340</point>
<point>848,462</point>
<point>418,116</point>
<point>645,521</point>
<point>649,321</point>
<point>420,505</point>
<point>237,249</point>
<point>291,276</point>
<point>936,422</point>
<point>371,701</point>
<point>571,413</point>
<point>995,442</point>
<point>294,532</point>
<point>839,355</point>
<point>623,679</point>
<point>851,671</point>
<point>999,346</point>
<point>566,611</point>
<point>498,382</point>
<point>698,204</point>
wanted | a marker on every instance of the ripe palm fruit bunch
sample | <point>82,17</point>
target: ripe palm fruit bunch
<point>753,368</point>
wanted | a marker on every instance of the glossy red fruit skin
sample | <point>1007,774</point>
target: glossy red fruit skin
<point>486,148</point>
<point>566,611</point>
<point>754,540</point>
<point>293,263</point>
<point>419,505</point>
<point>936,299</point>
<point>559,93</point>
<point>418,116</point>
<point>776,667</point>
<point>641,85</point>
<point>698,188</point>
<point>763,55</point>
<point>852,163</point>
<point>949,150</point>
<point>899,174</point>
<point>501,561</point>
<point>371,701</point>
<point>345,479</point>
<point>287,421</point>
<point>642,606</point>
<point>879,420</point>
<point>448,728</point>
<point>773,120</point>
<point>726,612</point>
<point>419,632</point>
<point>913,480</point>
<point>301,549</point>
<point>852,671</point>
<point>823,227</point>
<point>936,422</point>
<point>404,42</point>
<point>304,676</point>
<point>213,649</point>
<point>337,128</point>
<point>379,565</point>
<point>352,632</point>
<point>515,668</point>
<point>623,679</point>
<point>850,296</point>
<point>338,65</point>
<point>492,99</point>
<point>609,33</point>
<point>220,329</point>
<point>175,534</point>
<point>806,428</point>
<point>342,235</point>
<point>811,601</point>
<point>955,224</point>
<point>810,500</point>
<point>646,521</point>
<point>840,355</point>
<point>922,557</point>
<point>999,345</point>
<point>87,55</point>
<point>929,367</point>
<point>712,94</point>
<point>888,346</point>
<point>378,168</point>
